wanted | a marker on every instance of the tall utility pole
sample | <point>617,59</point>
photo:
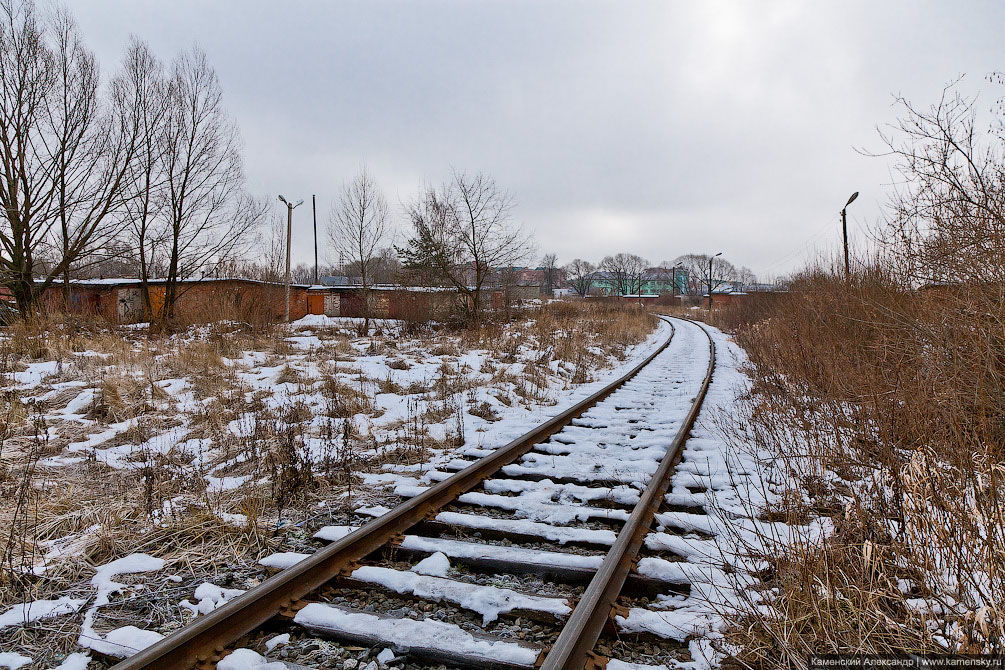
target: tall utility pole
<point>314,207</point>
<point>289,237</point>
<point>710,281</point>
<point>844,230</point>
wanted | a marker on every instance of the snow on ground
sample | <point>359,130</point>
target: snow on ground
<point>125,640</point>
<point>431,395</point>
<point>638,438</point>
<point>720,487</point>
<point>23,613</point>
<point>13,660</point>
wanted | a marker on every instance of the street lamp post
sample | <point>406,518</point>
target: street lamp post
<point>710,281</point>
<point>844,230</point>
<point>314,209</point>
<point>289,237</point>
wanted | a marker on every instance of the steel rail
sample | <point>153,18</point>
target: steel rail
<point>573,648</point>
<point>206,639</point>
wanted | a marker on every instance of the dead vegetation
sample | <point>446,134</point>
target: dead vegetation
<point>878,406</point>
<point>204,447</point>
<point>882,407</point>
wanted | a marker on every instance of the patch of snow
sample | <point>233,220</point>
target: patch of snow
<point>374,511</point>
<point>282,560</point>
<point>123,641</point>
<point>13,660</point>
<point>537,507</point>
<point>458,549</point>
<point>209,597</point>
<point>76,661</point>
<point>246,659</point>
<point>218,484</point>
<point>334,533</point>
<point>615,664</point>
<point>436,565</point>
<point>274,642</point>
<point>426,633</point>
<point>560,534</point>
<point>40,609</point>
<point>489,601</point>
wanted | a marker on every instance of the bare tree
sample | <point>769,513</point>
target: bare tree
<point>549,263</point>
<point>947,221</point>
<point>273,260</point>
<point>302,273</point>
<point>699,279</point>
<point>746,276</point>
<point>626,271</point>
<point>580,274</point>
<point>64,154</point>
<point>358,226</point>
<point>144,90</point>
<point>209,216</point>
<point>387,267</point>
<point>464,231</point>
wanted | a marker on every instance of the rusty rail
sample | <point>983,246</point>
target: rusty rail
<point>206,639</point>
<point>574,647</point>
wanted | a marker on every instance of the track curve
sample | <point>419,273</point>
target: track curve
<point>207,639</point>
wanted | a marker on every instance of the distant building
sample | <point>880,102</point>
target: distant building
<point>654,282</point>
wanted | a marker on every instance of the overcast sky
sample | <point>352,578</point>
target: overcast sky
<point>657,128</point>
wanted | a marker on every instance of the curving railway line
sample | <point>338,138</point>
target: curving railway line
<point>569,503</point>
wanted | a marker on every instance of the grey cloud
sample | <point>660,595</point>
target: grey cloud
<point>657,128</point>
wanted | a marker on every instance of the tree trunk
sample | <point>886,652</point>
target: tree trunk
<point>170,288</point>
<point>366,300</point>
<point>148,308</point>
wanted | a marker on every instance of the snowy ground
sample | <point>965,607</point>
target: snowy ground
<point>712,486</point>
<point>182,448</point>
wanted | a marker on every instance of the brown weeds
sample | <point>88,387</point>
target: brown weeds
<point>883,405</point>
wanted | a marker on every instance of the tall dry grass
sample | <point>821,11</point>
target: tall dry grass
<point>884,405</point>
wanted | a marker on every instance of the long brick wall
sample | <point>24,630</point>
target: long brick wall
<point>197,302</point>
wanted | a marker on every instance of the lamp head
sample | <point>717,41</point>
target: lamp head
<point>851,199</point>
<point>284,201</point>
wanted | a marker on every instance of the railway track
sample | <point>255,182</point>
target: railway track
<point>564,506</point>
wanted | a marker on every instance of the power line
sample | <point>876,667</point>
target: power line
<point>824,228</point>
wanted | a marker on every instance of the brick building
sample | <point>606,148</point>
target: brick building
<point>120,300</point>
<point>410,303</point>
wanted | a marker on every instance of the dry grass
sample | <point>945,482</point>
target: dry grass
<point>883,407</point>
<point>255,430</point>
